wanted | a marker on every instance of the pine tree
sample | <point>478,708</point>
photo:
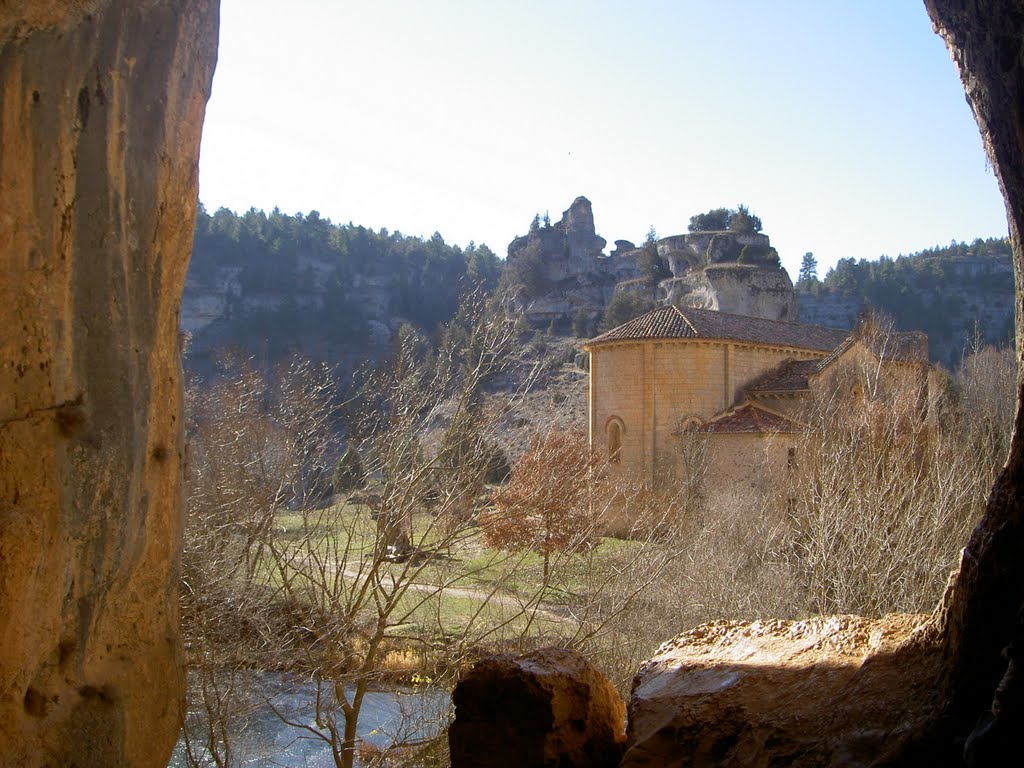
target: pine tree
<point>808,270</point>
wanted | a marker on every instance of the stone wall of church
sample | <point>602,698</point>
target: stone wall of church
<point>740,464</point>
<point>653,387</point>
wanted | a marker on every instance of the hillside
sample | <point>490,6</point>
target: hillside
<point>955,294</point>
<point>269,283</point>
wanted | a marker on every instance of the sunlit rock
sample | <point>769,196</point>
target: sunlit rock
<point>102,109</point>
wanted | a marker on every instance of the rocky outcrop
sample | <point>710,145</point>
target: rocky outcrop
<point>740,289</point>
<point>837,691</point>
<point>560,268</point>
<point>699,249</point>
<point>736,272</point>
<point>547,708</point>
<point>566,249</point>
<point>561,272</point>
<point>102,110</point>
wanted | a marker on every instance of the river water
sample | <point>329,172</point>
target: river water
<point>259,737</point>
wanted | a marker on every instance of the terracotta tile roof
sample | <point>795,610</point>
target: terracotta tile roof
<point>673,322</point>
<point>750,419</point>
<point>788,376</point>
<point>905,347</point>
<point>661,323</point>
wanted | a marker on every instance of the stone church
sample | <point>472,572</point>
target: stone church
<point>739,382</point>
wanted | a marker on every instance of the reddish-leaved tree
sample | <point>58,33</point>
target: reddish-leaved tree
<point>545,506</point>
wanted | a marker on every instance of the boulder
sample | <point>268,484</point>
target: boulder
<point>547,708</point>
<point>835,691</point>
<point>102,110</point>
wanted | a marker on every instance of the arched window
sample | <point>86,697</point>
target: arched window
<point>614,429</point>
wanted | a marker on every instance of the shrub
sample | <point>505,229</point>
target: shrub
<point>348,472</point>
<point>624,307</point>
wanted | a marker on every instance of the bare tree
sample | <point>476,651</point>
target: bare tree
<point>986,387</point>
<point>868,515</point>
<point>883,489</point>
<point>397,575</point>
<point>275,577</point>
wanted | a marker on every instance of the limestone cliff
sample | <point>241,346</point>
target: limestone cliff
<point>561,272</point>
<point>955,298</point>
<point>732,272</point>
<point>741,289</point>
<point>560,269</point>
<point>102,110</point>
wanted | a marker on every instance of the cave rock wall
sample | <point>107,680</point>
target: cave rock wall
<point>102,110</point>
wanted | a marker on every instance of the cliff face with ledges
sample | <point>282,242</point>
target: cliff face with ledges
<point>102,110</point>
<point>560,271</point>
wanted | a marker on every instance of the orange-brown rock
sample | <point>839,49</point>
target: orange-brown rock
<point>101,110</point>
<point>547,708</point>
<point>982,618</point>
<point>835,691</point>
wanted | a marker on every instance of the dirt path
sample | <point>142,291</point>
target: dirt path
<point>471,593</point>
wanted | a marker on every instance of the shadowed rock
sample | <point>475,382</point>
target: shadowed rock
<point>547,708</point>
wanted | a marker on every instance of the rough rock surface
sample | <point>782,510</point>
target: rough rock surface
<point>102,110</point>
<point>563,272</point>
<point>836,691</point>
<point>563,267</point>
<point>741,289</point>
<point>547,708</point>
<point>698,249</point>
<point>983,613</point>
<point>706,274</point>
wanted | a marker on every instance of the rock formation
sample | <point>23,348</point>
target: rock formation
<point>982,615</point>
<point>547,708</point>
<point>740,289</point>
<point>103,104</point>
<point>731,272</point>
<point>561,271</point>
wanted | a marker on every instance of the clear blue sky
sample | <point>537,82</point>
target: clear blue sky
<point>842,125</point>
